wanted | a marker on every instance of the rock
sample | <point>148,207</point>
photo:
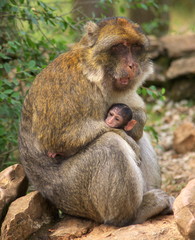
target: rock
<point>70,228</point>
<point>26,215</point>
<point>67,228</point>
<point>179,45</point>
<point>13,184</point>
<point>156,48</point>
<point>184,211</point>
<point>181,67</point>
<point>161,228</point>
<point>184,138</point>
<point>182,89</point>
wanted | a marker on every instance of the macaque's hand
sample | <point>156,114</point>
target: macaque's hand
<point>51,155</point>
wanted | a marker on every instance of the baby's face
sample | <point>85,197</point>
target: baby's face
<point>114,119</point>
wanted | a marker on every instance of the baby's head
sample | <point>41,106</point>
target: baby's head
<point>120,116</point>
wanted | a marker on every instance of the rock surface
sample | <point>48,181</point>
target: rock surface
<point>184,211</point>
<point>13,184</point>
<point>183,89</point>
<point>156,47</point>
<point>25,216</point>
<point>161,228</point>
<point>174,61</point>
<point>181,67</point>
<point>179,45</point>
<point>184,138</point>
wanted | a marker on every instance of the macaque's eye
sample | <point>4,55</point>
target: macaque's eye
<point>119,48</point>
<point>137,49</point>
<point>117,119</point>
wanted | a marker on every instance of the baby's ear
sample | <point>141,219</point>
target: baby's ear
<point>130,125</point>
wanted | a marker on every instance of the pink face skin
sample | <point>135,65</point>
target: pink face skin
<point>114,119</point>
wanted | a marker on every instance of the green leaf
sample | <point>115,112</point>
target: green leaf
<point>16,95</point>
<point>122,9</point>
<point>3,96</point>
<point>4,56</point>
<point>34,20</point>
<point>152,87</point>
<point>144,91</point>
<point>153,132</point>
<point>163,90</point>
<point>43,5</point>
<point>144,6</point>
<point>31,64</point>
<point>8,91</point>
<point>149,92</point>
<point>7,67</point>
<point>13,2</point>
<point>3,3</point>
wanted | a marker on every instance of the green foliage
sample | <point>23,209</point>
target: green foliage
<point>152,131</point>
<point>155,94</point>
<point>156,10</point>
<point>23,53</point>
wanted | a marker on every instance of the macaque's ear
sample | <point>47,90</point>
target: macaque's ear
<point>91,30</point>
<point>130,125</point>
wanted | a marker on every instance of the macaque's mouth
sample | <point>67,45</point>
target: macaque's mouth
<point>123,81</point>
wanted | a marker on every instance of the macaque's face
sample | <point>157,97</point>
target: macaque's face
<point>114,118</point>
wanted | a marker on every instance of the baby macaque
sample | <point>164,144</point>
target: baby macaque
<point>120,116</point>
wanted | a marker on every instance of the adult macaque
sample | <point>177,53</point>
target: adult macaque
<point>64,112</point>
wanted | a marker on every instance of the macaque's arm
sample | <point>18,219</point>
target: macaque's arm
<point>130,141</point>
<point>101,129</point>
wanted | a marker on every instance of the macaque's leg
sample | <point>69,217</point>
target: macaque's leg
<point>154,202</point>
<point>149,164</point>
<point>102,183</point>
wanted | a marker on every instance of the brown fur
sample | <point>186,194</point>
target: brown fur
<point>64,112</point>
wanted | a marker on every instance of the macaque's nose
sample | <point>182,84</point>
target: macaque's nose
<point>133,65</point>
<point>110,120</point>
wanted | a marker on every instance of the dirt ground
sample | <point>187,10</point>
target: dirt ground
<point>177,169</point>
